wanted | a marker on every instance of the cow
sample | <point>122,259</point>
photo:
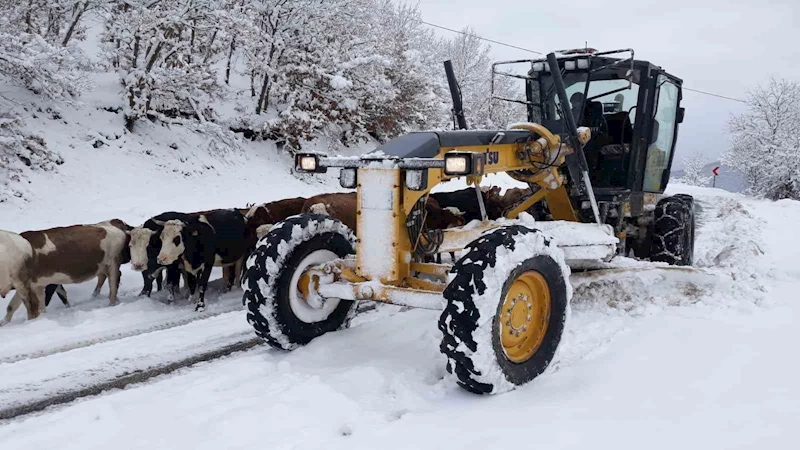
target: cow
<point>260,219</point>
<point>16,255</point>
<point>342,206</point>
<point>69,255</point>
<point>145,243</point>
<point>439,218</point>
<point>270,214</point>
<point>339,205</point>
<point>200,243</point>
<point>466,200</point>
<point>514,196</point>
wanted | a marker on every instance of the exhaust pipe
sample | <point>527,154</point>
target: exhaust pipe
<point>455,93</point>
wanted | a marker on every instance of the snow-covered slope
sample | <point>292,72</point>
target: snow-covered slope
<point>108,172</point>
<point>649,361</point>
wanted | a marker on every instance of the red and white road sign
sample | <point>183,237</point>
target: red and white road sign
<point>715,171</point>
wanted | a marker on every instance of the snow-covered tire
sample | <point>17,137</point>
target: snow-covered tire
<point>479,284</point>
<point>277,258</point>
<point>673,231</point>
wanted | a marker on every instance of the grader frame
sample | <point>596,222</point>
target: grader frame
<point>505,300</point>
<point>384,271</point>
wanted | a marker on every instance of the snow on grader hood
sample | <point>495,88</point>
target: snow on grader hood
<point>504,299</point>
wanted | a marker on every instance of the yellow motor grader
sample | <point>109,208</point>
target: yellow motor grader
<point>596,153</point>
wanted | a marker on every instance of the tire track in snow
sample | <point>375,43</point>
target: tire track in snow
<point>126,380</point>
<point>123,370</point>
<point>116,336</point>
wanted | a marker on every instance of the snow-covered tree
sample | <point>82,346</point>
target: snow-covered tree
<point>20,152</point>
<point>164,51</point>
<point>50,70</point>
<point>765,145</point>
<point>56,21</point>
<point>348,68</point>
<point>694,173</point>
<point>414,73</point>
<point>472,65</point>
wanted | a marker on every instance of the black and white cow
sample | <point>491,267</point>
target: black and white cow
<point>202,242</point>
<point>145,244</point>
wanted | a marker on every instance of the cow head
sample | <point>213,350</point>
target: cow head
<point>493,202</point>
<point>263,229</point>
<point>319,208</point>
<point>172,245</point>
<point>139,240</point>
<point>443,218</point>
<point>259,215</point>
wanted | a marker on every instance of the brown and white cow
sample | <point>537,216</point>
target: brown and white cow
<point>15,259</point>
<point>265,214</point>
<point>69,255</point>
<point>339,205</point>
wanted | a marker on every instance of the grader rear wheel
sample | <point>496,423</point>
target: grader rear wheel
<point>506,310</point>
<point>673,231</point>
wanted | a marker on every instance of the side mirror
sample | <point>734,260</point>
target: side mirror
<point>679,117</point>
<point>654,135</point>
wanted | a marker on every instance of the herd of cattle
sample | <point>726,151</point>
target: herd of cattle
<point>36,264</point>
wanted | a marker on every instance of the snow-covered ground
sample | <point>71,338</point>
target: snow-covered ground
<point>650,359</point>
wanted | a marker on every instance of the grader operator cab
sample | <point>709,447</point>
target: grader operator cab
<point>596,167</point>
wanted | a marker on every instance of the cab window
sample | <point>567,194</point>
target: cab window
<point>663,134</point>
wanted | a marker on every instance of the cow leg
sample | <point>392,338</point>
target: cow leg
<point>13,305</point>
<point>228,277</point>
<point>159,281</point>
<point>35,303</point>
<point>188,282</point>
<point>237,272</point>
<point>101,278</point>
<point>147,283</point>
<point>114,275</point>
<point>48,293</point>
<point>202,283</point>
<point>62,294</point>
<point>191,283</point>
<point>453,257</point>
<point>173,282</point>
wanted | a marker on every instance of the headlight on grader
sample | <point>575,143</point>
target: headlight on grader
<point>348,178</point>
<point>417,180</point>
<point>464,163</point>
<point>307,162</point>
<point>456,164</point>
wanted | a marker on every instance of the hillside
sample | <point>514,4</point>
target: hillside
<point>109,172</point>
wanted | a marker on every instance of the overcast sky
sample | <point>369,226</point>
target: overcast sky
<point>721,46</point>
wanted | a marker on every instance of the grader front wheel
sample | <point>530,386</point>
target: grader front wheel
<point>524,316</point>
<point>506,309</point>
<point>279,304</point>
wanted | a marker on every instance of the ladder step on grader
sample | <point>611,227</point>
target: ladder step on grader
<point>596,152</point>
